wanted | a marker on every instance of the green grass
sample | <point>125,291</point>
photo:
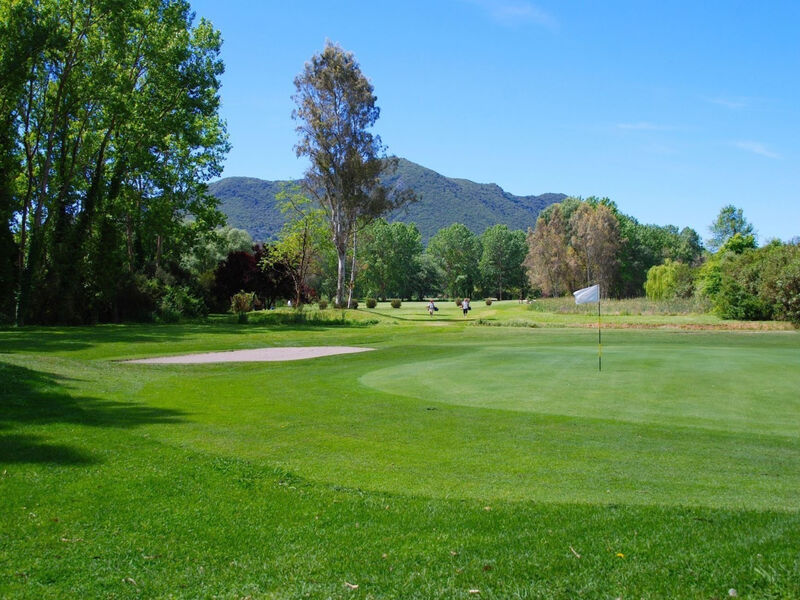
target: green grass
<point>450,459</point>
<point>625,307</point>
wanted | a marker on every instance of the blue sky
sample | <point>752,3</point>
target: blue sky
<point>671,109</point>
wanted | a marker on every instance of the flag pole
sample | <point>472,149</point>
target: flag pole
<point>587,296</point>
<point>599,339</point>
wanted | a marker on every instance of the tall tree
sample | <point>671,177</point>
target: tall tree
<point>728,223</point>
<point>595,239</point>
<point>502,257</point>
<point>335,108</point>
<point>392,255</point>
<point>548,261</point>
<point>117,131</point>
<point>457,252</point>
<point>22,36</point>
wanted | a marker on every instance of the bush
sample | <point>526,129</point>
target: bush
<point>458,302</point>
<point>396,303</point>
<point>756,284</point>
<point>788,295</point>
<point>243,302</point>
<point>139,298</point>
<point>178,302</point>
<point>734,301</point>
<point>322,304</point>
<point>671,280</point>
<point>488,301</point>
<point>371,303</point>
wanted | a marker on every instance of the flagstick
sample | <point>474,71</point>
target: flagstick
<point>599,339</point>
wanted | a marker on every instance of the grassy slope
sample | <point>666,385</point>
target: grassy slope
<point>452,458</point>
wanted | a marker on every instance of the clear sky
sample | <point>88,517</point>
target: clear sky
<point>671,109</point>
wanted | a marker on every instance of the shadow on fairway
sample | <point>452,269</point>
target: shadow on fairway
<point>30,397</point>
<point>56,339</point>
<point>61,339</point>
<point>15,448</point>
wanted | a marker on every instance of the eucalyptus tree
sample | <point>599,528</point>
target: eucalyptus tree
<point>335,109</point>
<point>117,130</point>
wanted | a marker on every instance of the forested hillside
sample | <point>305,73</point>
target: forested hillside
<point>249,203</point>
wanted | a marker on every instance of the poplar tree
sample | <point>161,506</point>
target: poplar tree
<point>112,137</point>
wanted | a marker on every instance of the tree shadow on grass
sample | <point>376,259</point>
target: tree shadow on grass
<point>60,339</point>
<point>17,448</point>
<point>29,397</point>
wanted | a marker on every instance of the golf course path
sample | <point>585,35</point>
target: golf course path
<point>253,355</point>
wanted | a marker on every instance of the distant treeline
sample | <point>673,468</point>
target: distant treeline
<point>574,243</point>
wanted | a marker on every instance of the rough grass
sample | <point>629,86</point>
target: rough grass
<point>452,459</point>
<point>625,307</point>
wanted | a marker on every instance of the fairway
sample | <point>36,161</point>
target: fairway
<point>450,458</point>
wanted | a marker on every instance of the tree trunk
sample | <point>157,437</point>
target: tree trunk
<point>352,272</point>
<point>341,254</point>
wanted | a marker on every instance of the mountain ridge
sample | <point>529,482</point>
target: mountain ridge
<point>249,202</point>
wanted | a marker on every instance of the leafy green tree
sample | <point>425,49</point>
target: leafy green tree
<point>457,252</point>
<point>669,280</point>
<point>753,282</point>
<point>728,223</point>
<point>116,134</point>
<point>788,292</point>
<point>391,254</point>
<point>300,242</point>
<point>501,261</point>
<point>710,277</point>
<point>643,246</point>
<point>336,107</point>
<point>22,36</point>
<point>689,247</point>
<point>428,282</point>
<point>210,247</point>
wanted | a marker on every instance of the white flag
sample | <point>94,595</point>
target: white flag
<point>587,295</point>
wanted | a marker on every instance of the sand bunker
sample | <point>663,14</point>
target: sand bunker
<point>254,355</point>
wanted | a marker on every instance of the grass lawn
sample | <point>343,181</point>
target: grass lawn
<point>453,461</point>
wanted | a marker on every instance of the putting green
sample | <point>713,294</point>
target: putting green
<point>737,388</point>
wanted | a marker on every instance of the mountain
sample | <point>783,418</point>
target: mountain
<point>249,203</point>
